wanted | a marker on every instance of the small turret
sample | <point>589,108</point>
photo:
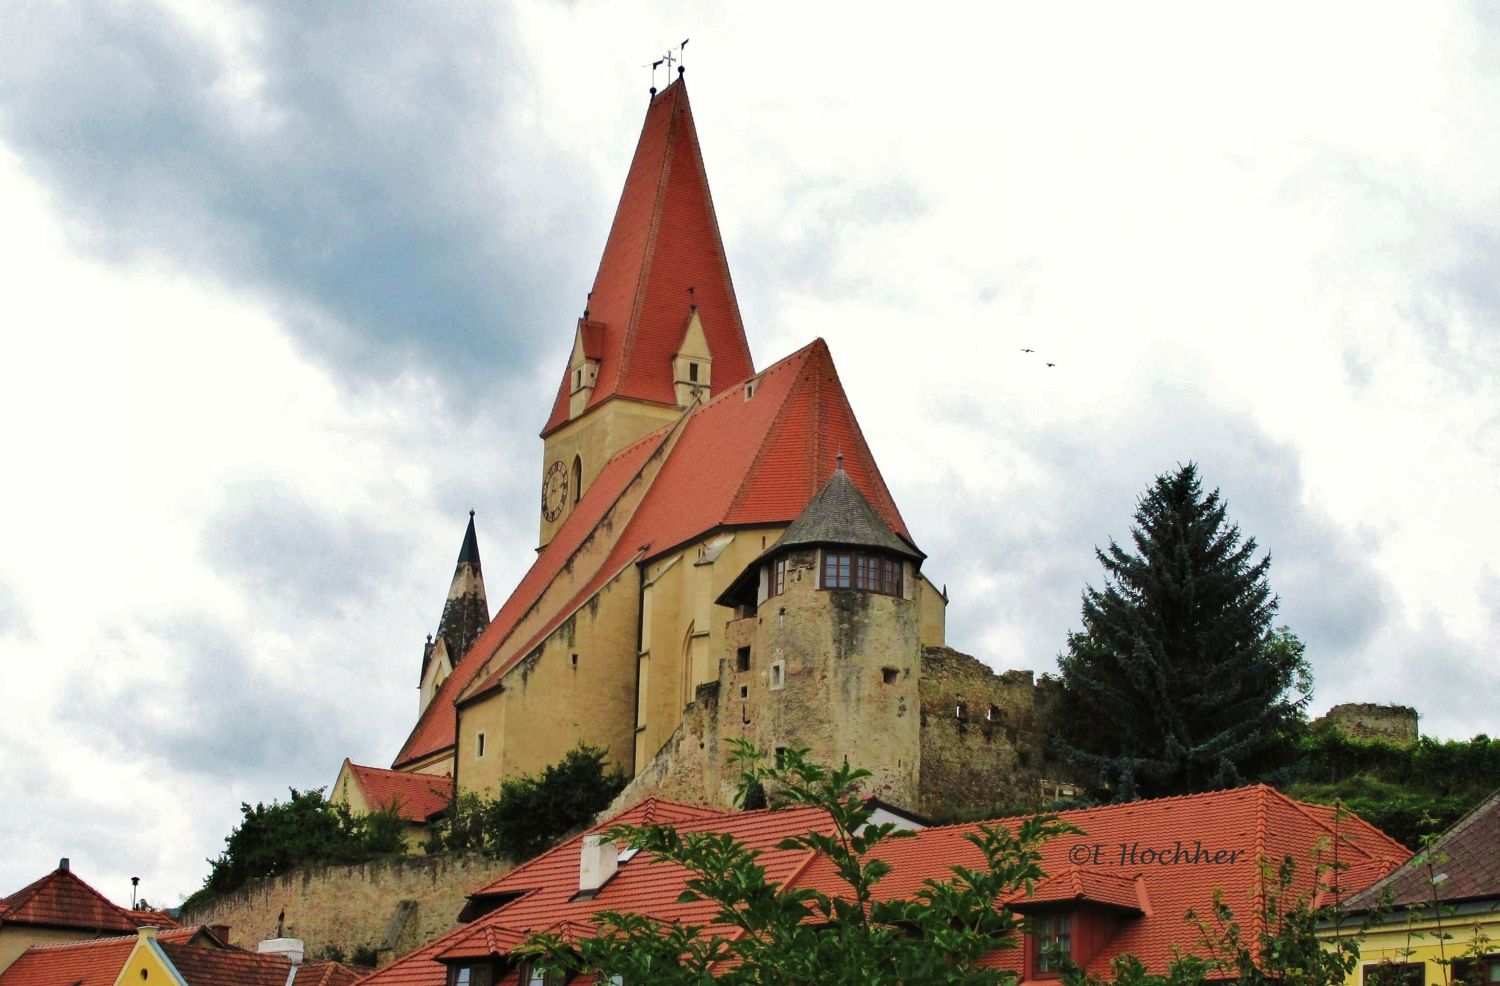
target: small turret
<point>465,615</point>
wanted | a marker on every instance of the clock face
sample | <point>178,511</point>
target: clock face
<point>554,491</point>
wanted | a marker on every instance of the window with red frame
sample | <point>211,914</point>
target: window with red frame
<point>1051,931</point>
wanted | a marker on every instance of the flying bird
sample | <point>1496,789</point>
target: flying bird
<point>1028,350</point>
<point>1051,364</point>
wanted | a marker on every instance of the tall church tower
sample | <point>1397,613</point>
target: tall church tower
<point>662,328</point>
<point>465,615</point>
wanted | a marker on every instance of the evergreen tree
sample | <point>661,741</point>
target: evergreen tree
<point>1178,681</point>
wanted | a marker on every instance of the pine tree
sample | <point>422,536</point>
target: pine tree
<point>1178,681</point>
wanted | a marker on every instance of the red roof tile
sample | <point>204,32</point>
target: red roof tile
<point>415,797</point>
<point>92,963</point>
<point>663,254</point>
<point>155,919</point>
<point>62,900</point>
<point>1210,841</point>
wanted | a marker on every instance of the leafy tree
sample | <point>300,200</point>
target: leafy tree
<point>307,829</point>
<point>531,812</point>
<point>802,935</point>
<point>1178,681</point>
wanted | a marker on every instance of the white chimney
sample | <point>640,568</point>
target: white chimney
<point>597,862</point>
<point>290,949</point>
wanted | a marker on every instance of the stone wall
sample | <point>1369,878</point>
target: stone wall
<point>984,737</point>
<point>1366,720</point>
<point>392,906</point>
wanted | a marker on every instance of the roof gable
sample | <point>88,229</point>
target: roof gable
<point>62,900</point>
<point>1469,867</point>
<point>664,255</point>
<point>414,797</point>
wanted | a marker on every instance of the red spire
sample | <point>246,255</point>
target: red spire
<point>664,255</point>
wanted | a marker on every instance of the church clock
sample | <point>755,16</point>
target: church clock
<point>554,491</point>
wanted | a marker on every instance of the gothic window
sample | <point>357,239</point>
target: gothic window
<point>1048,931</point>
<point>577,478</point>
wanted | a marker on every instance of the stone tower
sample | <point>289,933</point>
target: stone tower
<point>466,613</point>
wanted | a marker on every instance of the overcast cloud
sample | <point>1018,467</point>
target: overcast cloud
<point>285,290</point>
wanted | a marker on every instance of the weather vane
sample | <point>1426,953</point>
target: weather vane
<point>667,60</point>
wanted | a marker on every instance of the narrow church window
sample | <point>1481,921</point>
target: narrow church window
<point>575,660</point>
<point>744,691</point>
<point>479,745</point>
<point>742,659</point>
<point>577,477</point>
<point>889,675</point>
<point>778,674</point>
<point>693,372</point>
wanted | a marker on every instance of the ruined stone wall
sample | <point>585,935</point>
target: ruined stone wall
<point>1365,720</point>
<point>390,905</point>
<point>984,737</point>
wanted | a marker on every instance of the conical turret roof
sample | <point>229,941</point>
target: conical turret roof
<point>840,514</point>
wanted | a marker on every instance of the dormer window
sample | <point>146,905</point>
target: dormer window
<point>472,974</point>
<point>1050,933</point>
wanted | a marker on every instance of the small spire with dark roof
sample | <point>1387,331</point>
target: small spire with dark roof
<point>469,553</point>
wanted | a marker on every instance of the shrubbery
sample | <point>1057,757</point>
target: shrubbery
<point>530,813</point>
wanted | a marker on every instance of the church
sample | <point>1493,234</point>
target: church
<point>718,558</point>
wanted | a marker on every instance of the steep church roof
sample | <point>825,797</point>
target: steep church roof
<point>664,254</point>
<point>754,455</point>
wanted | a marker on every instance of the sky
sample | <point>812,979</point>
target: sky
<point>286,288</point>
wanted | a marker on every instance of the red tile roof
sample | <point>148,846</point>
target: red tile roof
<point>62,900</point>
<point>91,963</point>
<point>415,797</point>
<point>1210,841</point>
<point>1466,857</point>
<point>730,462</point>
<point>663,254</point>
<point>232,967</point>
<point>155,919</point>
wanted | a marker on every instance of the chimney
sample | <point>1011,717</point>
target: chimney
<point>220,931</point>
<point>62,864</point>
<point>290,949</point>
<point>597,862</point>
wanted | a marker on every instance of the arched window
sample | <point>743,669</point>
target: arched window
<point>577,478</point>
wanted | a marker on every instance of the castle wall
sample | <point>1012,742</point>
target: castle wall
<point>989,758</point>
<point>1366,721</point>
<point>391,905</point>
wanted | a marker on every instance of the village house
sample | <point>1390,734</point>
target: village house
<point>1124,886</point>
<point>61,907</point>
<point>1436,920</point>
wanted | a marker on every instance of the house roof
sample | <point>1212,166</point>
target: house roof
<point>740,460</point>
<point>664,255</point>
<point>415,797</point>
<point>62,900</point>
<point>1213,840</point>
<point>232,967</point>
<point>154,919</point>
<point>90,963</point>
<point>1464,856</point>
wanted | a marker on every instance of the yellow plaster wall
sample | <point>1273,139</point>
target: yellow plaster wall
<point>595,437</point>
<point>1395,942</point>
<point>933,609</point>
<point>682,628</point>
<point>145,959</point>
<point>548,704</point>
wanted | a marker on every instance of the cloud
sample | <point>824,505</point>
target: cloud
<point>1030,543</point>
<point>12,619</point>
<point>279,546</point>
<point>372,176</point>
